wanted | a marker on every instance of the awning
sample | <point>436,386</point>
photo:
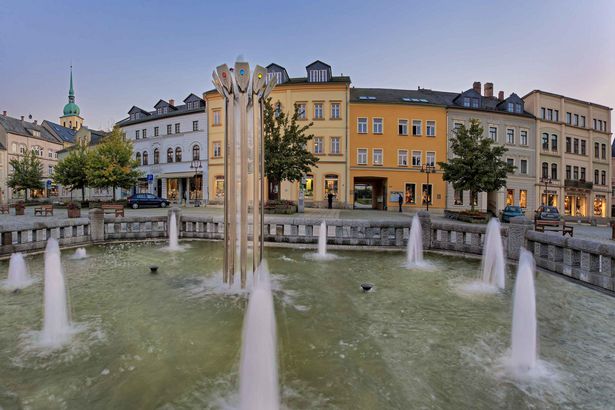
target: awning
<point>177,175</point>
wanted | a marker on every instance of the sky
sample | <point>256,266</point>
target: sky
<point>127,53</point>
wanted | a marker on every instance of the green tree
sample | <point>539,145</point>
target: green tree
<point>286,155</point>
<point>27,173</point>
<point>110,164</point>
<point>71,171</point>
<point>477,164</point>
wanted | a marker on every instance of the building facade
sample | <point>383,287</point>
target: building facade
<point>395,137</point>
<point>323,100</point>
<point>505,121</point>
<point>171,146</point>
<point>572,136</point>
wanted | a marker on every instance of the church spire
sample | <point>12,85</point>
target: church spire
<point>71,91</point>
<point>71,118</point>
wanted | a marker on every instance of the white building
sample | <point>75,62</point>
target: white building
<point>170,143</point>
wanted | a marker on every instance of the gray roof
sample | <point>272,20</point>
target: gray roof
<point>24,128</point>
<point>2,147</point>
<point>65,134</point>
<point>152,115</point>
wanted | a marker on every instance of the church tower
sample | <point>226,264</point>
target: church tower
<point>71,118</point>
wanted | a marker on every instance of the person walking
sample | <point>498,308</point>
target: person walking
<point>330,200</point>
<point>401,201</point>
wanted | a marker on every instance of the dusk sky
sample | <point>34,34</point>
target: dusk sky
<point>127,53</point>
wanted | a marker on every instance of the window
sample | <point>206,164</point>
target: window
<point>50,154</point>
<point>596,150</point>
<point>309,186</point>
<point>362,156</point>
<point>427,191</point>
<point>518,108</point>
<point>144,133</point>
<point>523,167</point>
<point>318,145</point>
<point>545,170</point>
<point>335,145</point>
<point>50,170</point>
<point>362,125</point>
<point>583,148</point>
<point>145,158</point>
<point>523,137</point>
<point>219,186</point>
<point>169,129</point>
<point>335,111</point>
<point>510,197</point>
<point>475,103</point>
<point>545,141</point>
<point>510,136</point>
<point>216,117</point>
<point>596,176</point>
<point>568,172</point>
<point>458,197</point>
<point>217,150</point>
<point>553,142</point>
<point>331,183</point>
<point>493,133</point>
<point>430,158</point>
<point>416,127</point>
<point>377,125</point>
<point>583,121</point>
<point>137,134</point>
<point>603,178</point>
<point>156,131</point>
<point>410,194</point>
<point>402,157</point>
<point>576,146</point>
<point>582,173</point>
<point>568,144</point>
<point>549,114</point>
<point>138,157</point>
<point>603,151</point>
<point>416,158</point>
<point>510,162</point>
<point>377,156</point>
<point>318,76</point>
<point>402,127</point>
<point>431,128</point>
<point>511,107</point>
<point>318,111</point>
<point>196,152</point>
<point>301,114</point>
<point>542,113</point>
<point>595,124</point>
<point>177,128</point>
<point>466,101</point>
<point>22,149</point>
<point>156,156</point>
<point>554,171</point>
<point>576,120</point>
<point>556,115</point>
<point>170,155</point>
<point>14,148</point>
<point>523,198</point>
<point>568,118</point>
<point>195,125</point>
<point>178,154</point>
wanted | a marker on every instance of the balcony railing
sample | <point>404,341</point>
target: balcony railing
<point>572,183</point>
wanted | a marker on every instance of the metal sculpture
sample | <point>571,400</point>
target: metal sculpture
<point>244,98</point>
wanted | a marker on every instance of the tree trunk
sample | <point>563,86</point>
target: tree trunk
<point>113,193</point>
<point>26,191</point>
<point>83,194</point>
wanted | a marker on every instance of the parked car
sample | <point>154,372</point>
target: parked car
<point>144,200</point>
<point>510,212</point>
<point>547,213</point>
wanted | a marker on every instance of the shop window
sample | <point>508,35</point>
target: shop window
<point>600,206</point>
<point>410,194</point>
<point>523,198</point>
<point>309,186</point>
<point>427,193</point>
<point>458,197</point>
<point>510,197</point>
<point>219,187</point>
<point>331,184</point>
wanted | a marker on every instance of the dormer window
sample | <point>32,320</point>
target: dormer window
<point>518,108</point>
<point>36,133</point>
<point>475,103</point>
<point>511,107</point>
<point>466,101</point>
<point>318,76</point>
<point>275,74</point>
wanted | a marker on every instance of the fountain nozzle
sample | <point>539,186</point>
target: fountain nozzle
<point>153,269</point>
<point>366,287</point>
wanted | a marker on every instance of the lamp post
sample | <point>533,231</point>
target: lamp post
<point>196,165</point>
<point>428,169</point>
<point>546,181</point>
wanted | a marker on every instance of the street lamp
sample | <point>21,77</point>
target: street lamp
<point>196,165</point>
<point>428,169</point>
<point>546,181</point>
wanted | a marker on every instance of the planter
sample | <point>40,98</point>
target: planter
<point>288,210</point>
<point>467,216</point>
<point>74,212</point>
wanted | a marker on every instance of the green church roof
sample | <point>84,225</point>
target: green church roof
<point>71,108</point>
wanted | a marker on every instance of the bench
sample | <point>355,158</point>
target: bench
<point>4,209</point>
<point>542,226</point>
<point>43,210</point>
<point>113,208</point>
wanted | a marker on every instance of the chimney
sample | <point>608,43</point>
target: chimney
<point>488,89</point>
<point>4,113</point>
<point>35,121</point>
<point>172,102</point>
<point>22,117</point>
<point>501,96</point>
<point>477,86</point>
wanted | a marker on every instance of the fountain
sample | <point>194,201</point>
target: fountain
<point>56,324</point>
<point>414,253</point>
<point>524,329</point>
<point>80,253</point>
<point>18,273</point>
<point>493,265</point>
<point>258,382</point>
<point>322,240</point>
<point>173,236</point>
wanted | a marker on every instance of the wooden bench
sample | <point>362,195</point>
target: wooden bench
<point>4,209</point>
<point>43,210</point>
<point>113,208</point>
<point>542,226</point>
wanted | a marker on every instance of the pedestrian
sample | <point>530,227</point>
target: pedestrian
<point>401,201</point>
<point>330,199</point>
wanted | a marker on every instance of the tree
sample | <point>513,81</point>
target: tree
<point>110,164</point>
<point>286,155</point>
<point>71,171</point>
<point>477,163</point>
<point>27,173</point>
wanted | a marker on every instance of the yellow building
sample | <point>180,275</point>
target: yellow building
<point>395,137</point>
<point>322,99</point>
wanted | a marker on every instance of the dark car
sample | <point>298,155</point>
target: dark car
<point>510,212</point>
<point>547,213</point>
<point>144,200</point>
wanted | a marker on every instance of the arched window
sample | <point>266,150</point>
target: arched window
<point>138,157</point>
<point>145,158</point>
<point>196,152</point>
<point>170,155</point>
<point>178,154</point>
<point>545,170</point>
<point>156,156</point>
<point>603,176</point>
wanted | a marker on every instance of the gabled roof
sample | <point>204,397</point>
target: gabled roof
<point>317,62</point>
<point>153,115</point>
<point>163,103</point>
<point>62,133</point>
<point>25,128</point>
<point>136,109</point>
<point>192,97</point>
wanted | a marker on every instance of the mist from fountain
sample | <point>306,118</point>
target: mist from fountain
<point>258,375</point>
<point>173,235</point>
<point>56,323</point>
<point>493,263</point>
<point>80,253</point>
<point>322,240</point>
<point>414,250</point>
<point>18,277</point>
<point>524,328</point>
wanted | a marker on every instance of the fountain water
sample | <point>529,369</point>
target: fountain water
<point>258,382</point>
<point>80,253</point>
<point>415,243</point>
<point>493,265</point>
<point>322,240</point>
<point>56,324</point>
<point>524,328</point>
<point>173,236</point>
<point>18,273</point>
